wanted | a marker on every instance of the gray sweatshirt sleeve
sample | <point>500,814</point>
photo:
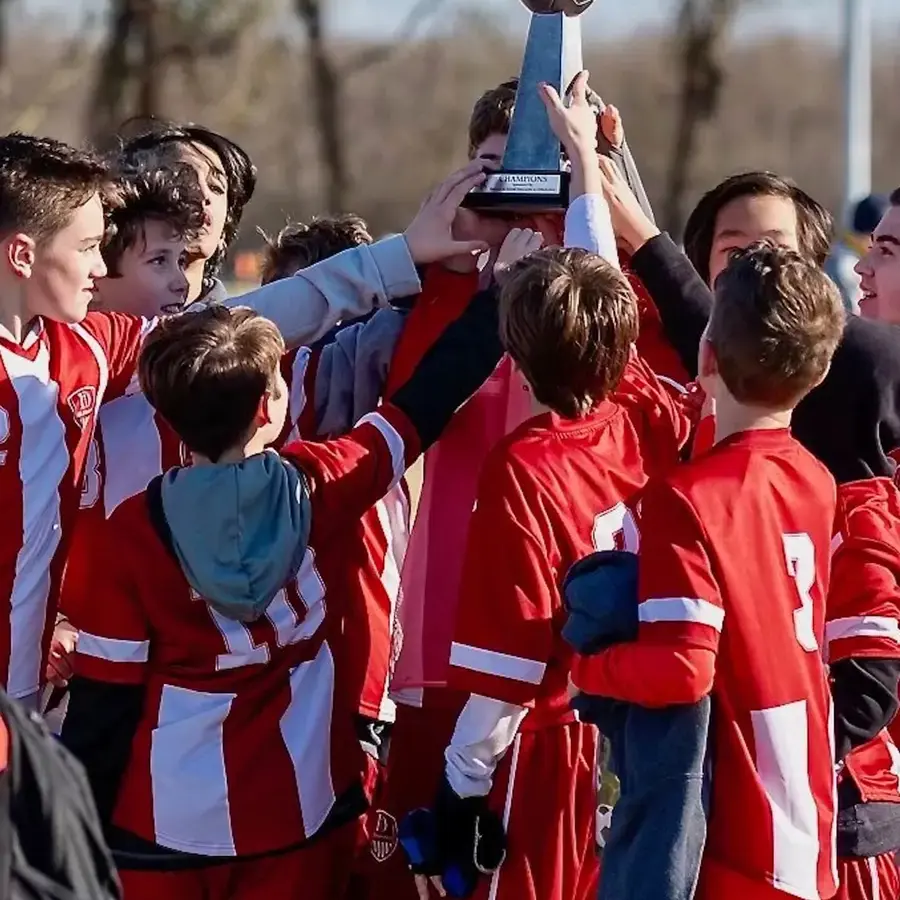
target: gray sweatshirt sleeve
<point>352,371</point>
<point>309,304</point>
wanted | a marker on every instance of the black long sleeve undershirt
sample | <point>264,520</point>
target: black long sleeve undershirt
<point>851,422</point>
<point>100,724</point>
<point>865,700</point>
<point>453,368</point>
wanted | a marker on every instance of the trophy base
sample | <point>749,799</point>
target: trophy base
<point>520,193</point>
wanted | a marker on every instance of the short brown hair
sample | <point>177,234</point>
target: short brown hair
<point>140,194</point>
<point>299,246</point>
<point>205,373</point>
<point>895,197</point>
<point>776,322</point>
<point>492,114</point>
<point>43,183</point>
<point>815,226</point>
<point>568,319</point>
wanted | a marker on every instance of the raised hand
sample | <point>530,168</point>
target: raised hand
<point>610,124</point>
<point>519,243</point>
<point>630,222</point>
<point>430,234</point>
<point>576,124</point>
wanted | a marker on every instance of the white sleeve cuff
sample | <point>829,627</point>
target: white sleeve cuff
<point>484,732</point>
<point>589,227</point>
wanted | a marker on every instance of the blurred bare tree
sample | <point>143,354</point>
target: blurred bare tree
<point>4,36</point>
<point>145,39</point>
<point>328,77</point>
<point>700,37</point>
<point>326,89</point>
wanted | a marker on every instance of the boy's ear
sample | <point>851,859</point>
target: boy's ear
<point>708,366</point>
<point>263,411</point>
<point>19,250</point>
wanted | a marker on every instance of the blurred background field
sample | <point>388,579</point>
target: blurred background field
<point>362,104</point>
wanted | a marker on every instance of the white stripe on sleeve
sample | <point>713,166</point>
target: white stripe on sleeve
<point>392,439</point>
<point>862,627</point>
<point>491,662</point>
<point>682,609</point>
<point>112,649</point>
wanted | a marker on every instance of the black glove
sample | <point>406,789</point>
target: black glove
<point>458,840</point>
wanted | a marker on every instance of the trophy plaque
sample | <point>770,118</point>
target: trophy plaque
<point>532,177</point>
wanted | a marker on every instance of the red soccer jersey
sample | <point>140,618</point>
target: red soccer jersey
<point>735,563</point>
<point>864,612</point>
<point>50,389</point>
<point>550,493</point>
<point>247,736</point>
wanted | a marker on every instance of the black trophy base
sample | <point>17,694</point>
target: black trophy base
<point>517,193</point>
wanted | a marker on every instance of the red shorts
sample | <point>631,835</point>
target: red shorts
<point>317,872</point>
<point>875,878</point>
<point>544,789</point>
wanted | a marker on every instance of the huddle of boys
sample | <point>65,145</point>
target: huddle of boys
<point>222,735</point>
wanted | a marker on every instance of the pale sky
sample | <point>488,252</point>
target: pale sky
<point>615,18</point>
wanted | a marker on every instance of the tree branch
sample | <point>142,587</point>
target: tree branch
<point>414,20</point>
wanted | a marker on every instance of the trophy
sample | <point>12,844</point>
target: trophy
<point>532,177</point>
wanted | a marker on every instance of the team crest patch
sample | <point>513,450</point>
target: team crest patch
<point>384,836</point>
<point>82,403</point>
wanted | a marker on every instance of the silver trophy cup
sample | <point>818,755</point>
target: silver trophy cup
<point>532,177</point>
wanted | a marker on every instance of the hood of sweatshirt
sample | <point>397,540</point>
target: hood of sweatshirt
<point>239,531</point>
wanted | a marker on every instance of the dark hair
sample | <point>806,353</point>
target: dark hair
<point>170,195</point>
<point>568,319</point>
<point>492,113</point>
<point>43,183</point>
<point>299,246</point>
<point>775,324</point>
<point>240,173</point>
<point>895,197</point>
<point>206,371</point>
<point>815,227</point>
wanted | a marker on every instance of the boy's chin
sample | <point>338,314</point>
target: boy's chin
<point>70,313</point>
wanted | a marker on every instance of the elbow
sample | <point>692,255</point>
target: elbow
<point>692,679</point>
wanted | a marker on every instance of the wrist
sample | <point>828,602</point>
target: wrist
<point>413,250</point>
<point>639,234</point>
<point>581,153</point>
<point>461,265</point>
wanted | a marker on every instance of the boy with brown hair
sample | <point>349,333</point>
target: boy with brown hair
<point>758,502</point>
<point>298,246</point>
<point>155,214</point>
<point>231,683</point>
<point>560,485</point>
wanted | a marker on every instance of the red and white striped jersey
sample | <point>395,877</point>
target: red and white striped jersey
<point>133,445</point>
<point>864,612</point>
<point>735,560</point>
<point>50,389</point>
<point>247,736</point>
<point>551,493</point>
